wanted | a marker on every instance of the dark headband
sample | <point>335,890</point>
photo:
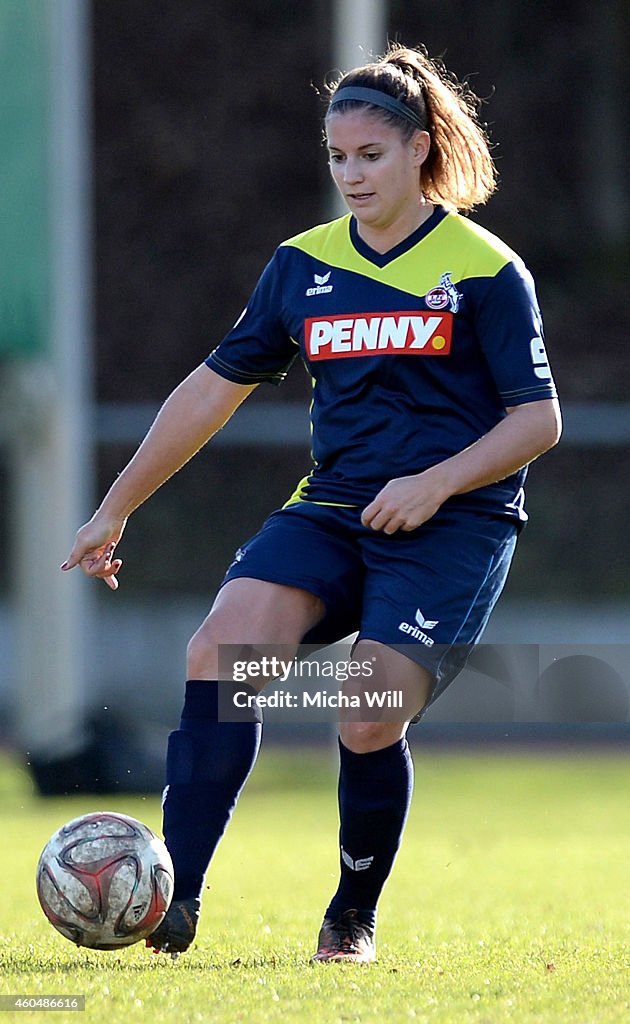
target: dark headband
<point>377,99</point>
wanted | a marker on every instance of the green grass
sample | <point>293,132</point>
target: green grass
<point>508,903</point>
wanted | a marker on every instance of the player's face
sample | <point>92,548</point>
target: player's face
<point>376,171</point>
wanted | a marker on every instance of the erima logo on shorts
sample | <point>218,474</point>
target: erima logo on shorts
<point>418,633</point>
<point>375,334</point>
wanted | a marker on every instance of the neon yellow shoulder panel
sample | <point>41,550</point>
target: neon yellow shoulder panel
<point>456,246</point>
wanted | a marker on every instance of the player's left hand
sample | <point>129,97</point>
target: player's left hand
<point>403,504</point>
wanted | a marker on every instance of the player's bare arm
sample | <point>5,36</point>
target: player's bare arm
<point>195,410</point>
<point>526,432</point>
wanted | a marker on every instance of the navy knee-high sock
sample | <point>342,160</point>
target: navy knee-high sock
<point>374,796</point>
<point>207,764</point>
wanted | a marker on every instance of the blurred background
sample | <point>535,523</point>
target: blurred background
<point>154,154</point>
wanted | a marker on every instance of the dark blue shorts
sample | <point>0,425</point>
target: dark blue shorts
<point>427,593</point>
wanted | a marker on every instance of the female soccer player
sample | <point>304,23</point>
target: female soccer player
<point>431,394</point>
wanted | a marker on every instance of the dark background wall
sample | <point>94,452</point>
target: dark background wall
<point>207,153</point>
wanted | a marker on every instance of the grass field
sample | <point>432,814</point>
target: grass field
<point>509,902</point>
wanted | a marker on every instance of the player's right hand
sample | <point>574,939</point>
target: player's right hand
<point>94,548</point>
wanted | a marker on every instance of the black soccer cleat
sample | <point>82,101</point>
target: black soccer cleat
<point>178,928</point>
<point>345,939</point>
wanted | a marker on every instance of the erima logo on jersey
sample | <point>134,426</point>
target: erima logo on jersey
<point>417,632</point>
<point>321,285</point>
<point>416,333</point>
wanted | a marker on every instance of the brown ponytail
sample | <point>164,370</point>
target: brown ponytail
<point>459,171</point>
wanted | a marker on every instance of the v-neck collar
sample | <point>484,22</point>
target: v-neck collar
<point>381,259</point>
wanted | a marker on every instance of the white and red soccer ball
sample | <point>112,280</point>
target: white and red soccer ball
<point>105,880</point>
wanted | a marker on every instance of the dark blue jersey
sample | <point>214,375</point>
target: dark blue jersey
<point>414,354</point>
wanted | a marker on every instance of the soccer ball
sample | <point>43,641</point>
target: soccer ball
<point>105,880</point>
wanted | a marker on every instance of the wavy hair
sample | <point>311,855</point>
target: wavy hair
<point>459,170</point>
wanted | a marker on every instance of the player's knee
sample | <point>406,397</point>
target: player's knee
<point>365,737</point>
<point>202,654</point>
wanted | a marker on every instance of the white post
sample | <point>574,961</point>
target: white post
<point>51,432</point>
<point>359,35</point>
<point>360,32</point>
